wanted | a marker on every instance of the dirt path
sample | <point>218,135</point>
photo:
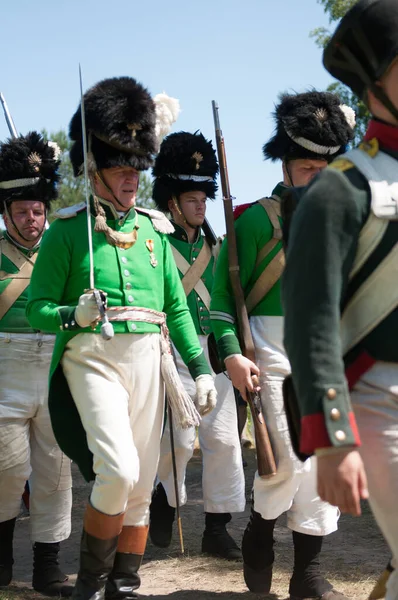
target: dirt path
<point>352,557</point>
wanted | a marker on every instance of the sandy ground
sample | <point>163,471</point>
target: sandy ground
<point>352,558</point>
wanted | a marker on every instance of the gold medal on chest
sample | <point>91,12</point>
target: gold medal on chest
<point>150,244</point>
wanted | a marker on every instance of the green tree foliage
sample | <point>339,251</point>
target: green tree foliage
<point>336,9</point>
<point>71,188</point>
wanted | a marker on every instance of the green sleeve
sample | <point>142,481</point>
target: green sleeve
<point>179,320</point>
<point>44,309</point>
<point>322,245</point>
<point>253,230</point>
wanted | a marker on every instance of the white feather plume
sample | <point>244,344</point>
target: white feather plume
<point>56,149</point>
<point>349,114</point>
<point>167,110</point>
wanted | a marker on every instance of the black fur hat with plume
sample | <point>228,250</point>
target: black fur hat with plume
<point>186,162</point>
<point>310,125</point>
<point>124,125</point>
<point>28,169</point>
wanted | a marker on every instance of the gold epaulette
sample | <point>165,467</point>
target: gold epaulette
<point>371,147</point>
<point>341,164</point>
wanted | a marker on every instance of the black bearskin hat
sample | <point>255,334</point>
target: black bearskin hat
<point>186,162</point>
<point>120,124</point>
<point>364,45</point>
<point>310,125</point>
<point>28,170</point>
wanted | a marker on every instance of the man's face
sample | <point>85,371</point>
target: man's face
<point>123,181</point>
<point>29,217</point>
<point>193,207</point>
<point>301,171</point>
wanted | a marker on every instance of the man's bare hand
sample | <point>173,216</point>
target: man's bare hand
<point>342,480</point>
<point>241,370</point>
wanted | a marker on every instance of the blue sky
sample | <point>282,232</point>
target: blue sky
<point>242,54</point>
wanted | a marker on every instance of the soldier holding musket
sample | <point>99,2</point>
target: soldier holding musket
<point>311,128</point>
<point>107,396</point>
<point>185,173</point>
<point>340,287</point>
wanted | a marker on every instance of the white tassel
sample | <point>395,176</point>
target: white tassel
<point>184,411</point>
<point>56,149</point>
<point>167,110</point>
<point>349,114</point>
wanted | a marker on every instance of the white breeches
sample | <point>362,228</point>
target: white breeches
<point>222,479</point>
<point>118,390</point>
<point>28,449</point>
<point>375,403</point>
<point>294,488</point>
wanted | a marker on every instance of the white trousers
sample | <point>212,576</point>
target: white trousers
<point>119,393</point>
<point>375,402</point>
<point>294,488</point>
<point>27,444</point>
<point>222,479</point>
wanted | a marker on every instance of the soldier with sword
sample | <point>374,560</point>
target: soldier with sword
<point>185,173</point>
<point>107,391</point>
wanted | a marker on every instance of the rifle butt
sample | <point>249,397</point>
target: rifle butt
<point>266,465</point>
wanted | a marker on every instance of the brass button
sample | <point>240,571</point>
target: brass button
<point>340,435</point>
<point>331,393</point>
<point>335,414</point>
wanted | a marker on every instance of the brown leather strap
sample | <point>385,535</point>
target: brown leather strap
<point>274,269</point>
<point>192,273</point>
<point>268,278</point>
<point>132,539</point>
<point>20,280</point>
<point>273,209</point>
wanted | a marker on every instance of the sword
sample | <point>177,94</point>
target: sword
<point>8,117</point>
<point>106,327</point>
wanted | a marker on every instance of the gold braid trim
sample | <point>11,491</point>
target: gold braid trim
<point>114,238</point>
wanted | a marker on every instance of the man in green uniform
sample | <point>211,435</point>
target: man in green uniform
<point>311,129</point>
<point>28,184</point>
<point>340,292</point>
<point>107,396</point>
<point>185,176</point>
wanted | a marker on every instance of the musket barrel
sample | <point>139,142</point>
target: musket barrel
<point>8,117</point>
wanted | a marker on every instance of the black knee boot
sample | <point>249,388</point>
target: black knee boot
<point>216,539</point>
<point>161,518</point>
<point>307,580</point>
<point>258,553</point>
<point>48,579</point>
<point>97,554</point>
<point>6,555</point>
<point>124,579</point>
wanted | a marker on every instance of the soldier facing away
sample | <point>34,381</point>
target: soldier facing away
<point>340,287</point>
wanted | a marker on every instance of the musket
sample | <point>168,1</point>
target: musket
<point>265,457</point>
<point>8,117</point>
<point>106,327</point>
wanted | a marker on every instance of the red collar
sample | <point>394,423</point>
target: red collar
<point>386,134</point>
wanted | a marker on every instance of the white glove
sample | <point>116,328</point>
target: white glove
<point>206,394</point>
<point>87,310</point>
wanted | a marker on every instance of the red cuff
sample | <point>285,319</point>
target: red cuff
<point>315,435</point>
<point>355,370</point>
